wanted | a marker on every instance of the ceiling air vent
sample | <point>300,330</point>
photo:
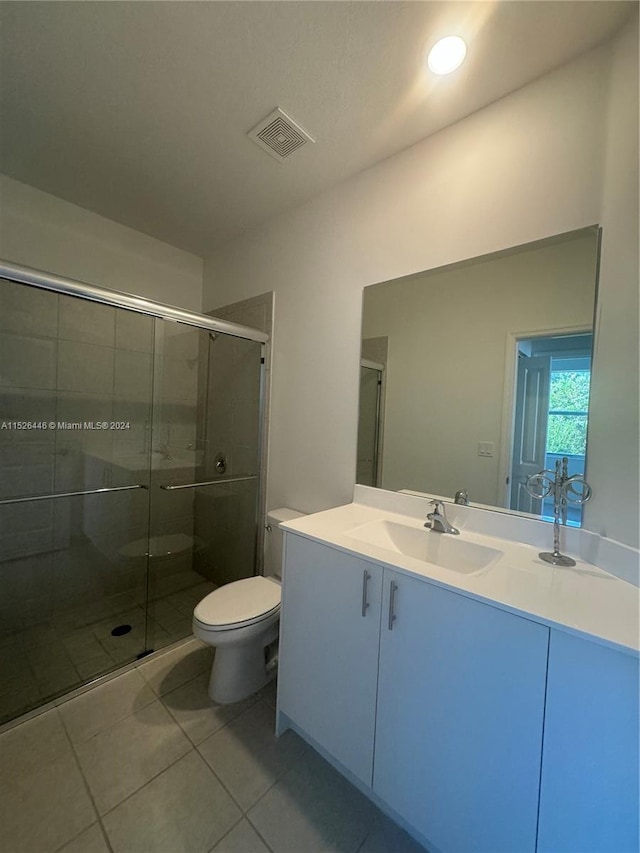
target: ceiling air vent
<point>279,135</point>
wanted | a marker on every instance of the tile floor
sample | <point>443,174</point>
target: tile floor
<point>57,655</point>
<point>146,763</point>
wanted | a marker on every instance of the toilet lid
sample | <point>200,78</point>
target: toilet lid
<point>241,601</point>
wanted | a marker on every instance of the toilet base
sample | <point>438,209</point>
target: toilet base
<point>240,670</point>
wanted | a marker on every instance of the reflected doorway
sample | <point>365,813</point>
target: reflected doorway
<point>551,414</point>
<point>370,422</point>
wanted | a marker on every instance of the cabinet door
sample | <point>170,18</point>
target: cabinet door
<point>460,713</point>
<point>590,765</point>
<point>329,637</point>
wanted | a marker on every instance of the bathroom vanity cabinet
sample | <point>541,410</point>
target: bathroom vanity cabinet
<point>328,675</point>
<point>459,717</point>
<point>484,731</point>
<point>445,693</point>
<point>589,794</point>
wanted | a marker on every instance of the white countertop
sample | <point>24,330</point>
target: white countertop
<point>584,600</point>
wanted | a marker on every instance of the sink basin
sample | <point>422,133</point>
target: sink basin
<point>439,549</point>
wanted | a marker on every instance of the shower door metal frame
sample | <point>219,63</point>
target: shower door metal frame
<point>118,299</point>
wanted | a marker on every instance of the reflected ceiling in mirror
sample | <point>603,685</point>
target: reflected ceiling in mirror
<point>475,375</point>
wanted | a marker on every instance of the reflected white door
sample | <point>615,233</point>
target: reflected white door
<point>530,428</point>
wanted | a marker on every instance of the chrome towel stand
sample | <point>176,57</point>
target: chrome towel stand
<point>565,490</point>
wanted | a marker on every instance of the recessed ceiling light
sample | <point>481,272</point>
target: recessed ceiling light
<point>446,55</point>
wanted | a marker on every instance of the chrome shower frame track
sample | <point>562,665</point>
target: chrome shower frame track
<point>48,281</point>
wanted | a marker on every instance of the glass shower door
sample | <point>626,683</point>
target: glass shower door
<point>76,383</point>
<point>369,423</point>
<point>204,478</point>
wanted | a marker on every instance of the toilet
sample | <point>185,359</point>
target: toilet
<point>240,620</point>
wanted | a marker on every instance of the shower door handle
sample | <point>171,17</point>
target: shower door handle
<point>26,498</point>
<point>209,482</point>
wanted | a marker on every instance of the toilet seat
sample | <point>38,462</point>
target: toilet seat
<point>238,604</point>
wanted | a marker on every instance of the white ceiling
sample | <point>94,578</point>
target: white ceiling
<point>139,110</point>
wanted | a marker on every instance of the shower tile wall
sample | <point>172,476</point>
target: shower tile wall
<point>64,577</point>
<point>27,373</point>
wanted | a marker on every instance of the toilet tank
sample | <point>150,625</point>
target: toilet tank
<point>274,537</point>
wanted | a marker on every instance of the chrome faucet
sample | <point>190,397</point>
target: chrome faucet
<point>462,497</point>
<point>438,519</point>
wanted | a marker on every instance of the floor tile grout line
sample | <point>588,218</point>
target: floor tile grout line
<point>228,832</point>
<point>103,833</point>
<point>152,779</point>
<point>156,698</point>
<point>211,734</point>
<point>244,811</point>
<point>85,783</point>
<point>233,799</point>
<point>114,723</point>
<point>82,831</point>
<point>257,831</point>
<point>107,841</point>
<point>280,778</point>
<point>364,841</point>
<point>232,720</point>
<point>160,695</point>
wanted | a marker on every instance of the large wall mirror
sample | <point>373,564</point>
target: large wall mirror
<point>475,375</point>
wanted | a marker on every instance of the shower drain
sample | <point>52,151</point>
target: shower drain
<point>121,630</point>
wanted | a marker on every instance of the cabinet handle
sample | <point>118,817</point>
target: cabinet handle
<point>365,584</point>
<point>392,603</point>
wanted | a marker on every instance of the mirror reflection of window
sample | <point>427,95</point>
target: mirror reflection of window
<point>568,407</point>
<point>551,414</point>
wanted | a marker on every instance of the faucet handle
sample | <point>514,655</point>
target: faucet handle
<point>438,519</point>
<point>436,511</point>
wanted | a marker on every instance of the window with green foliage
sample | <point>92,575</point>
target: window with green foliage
<point>568,411</point>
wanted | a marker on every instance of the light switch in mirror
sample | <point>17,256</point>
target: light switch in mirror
<point>475,375</point>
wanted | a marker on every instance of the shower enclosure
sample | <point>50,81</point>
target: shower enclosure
<point>129,477</point>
